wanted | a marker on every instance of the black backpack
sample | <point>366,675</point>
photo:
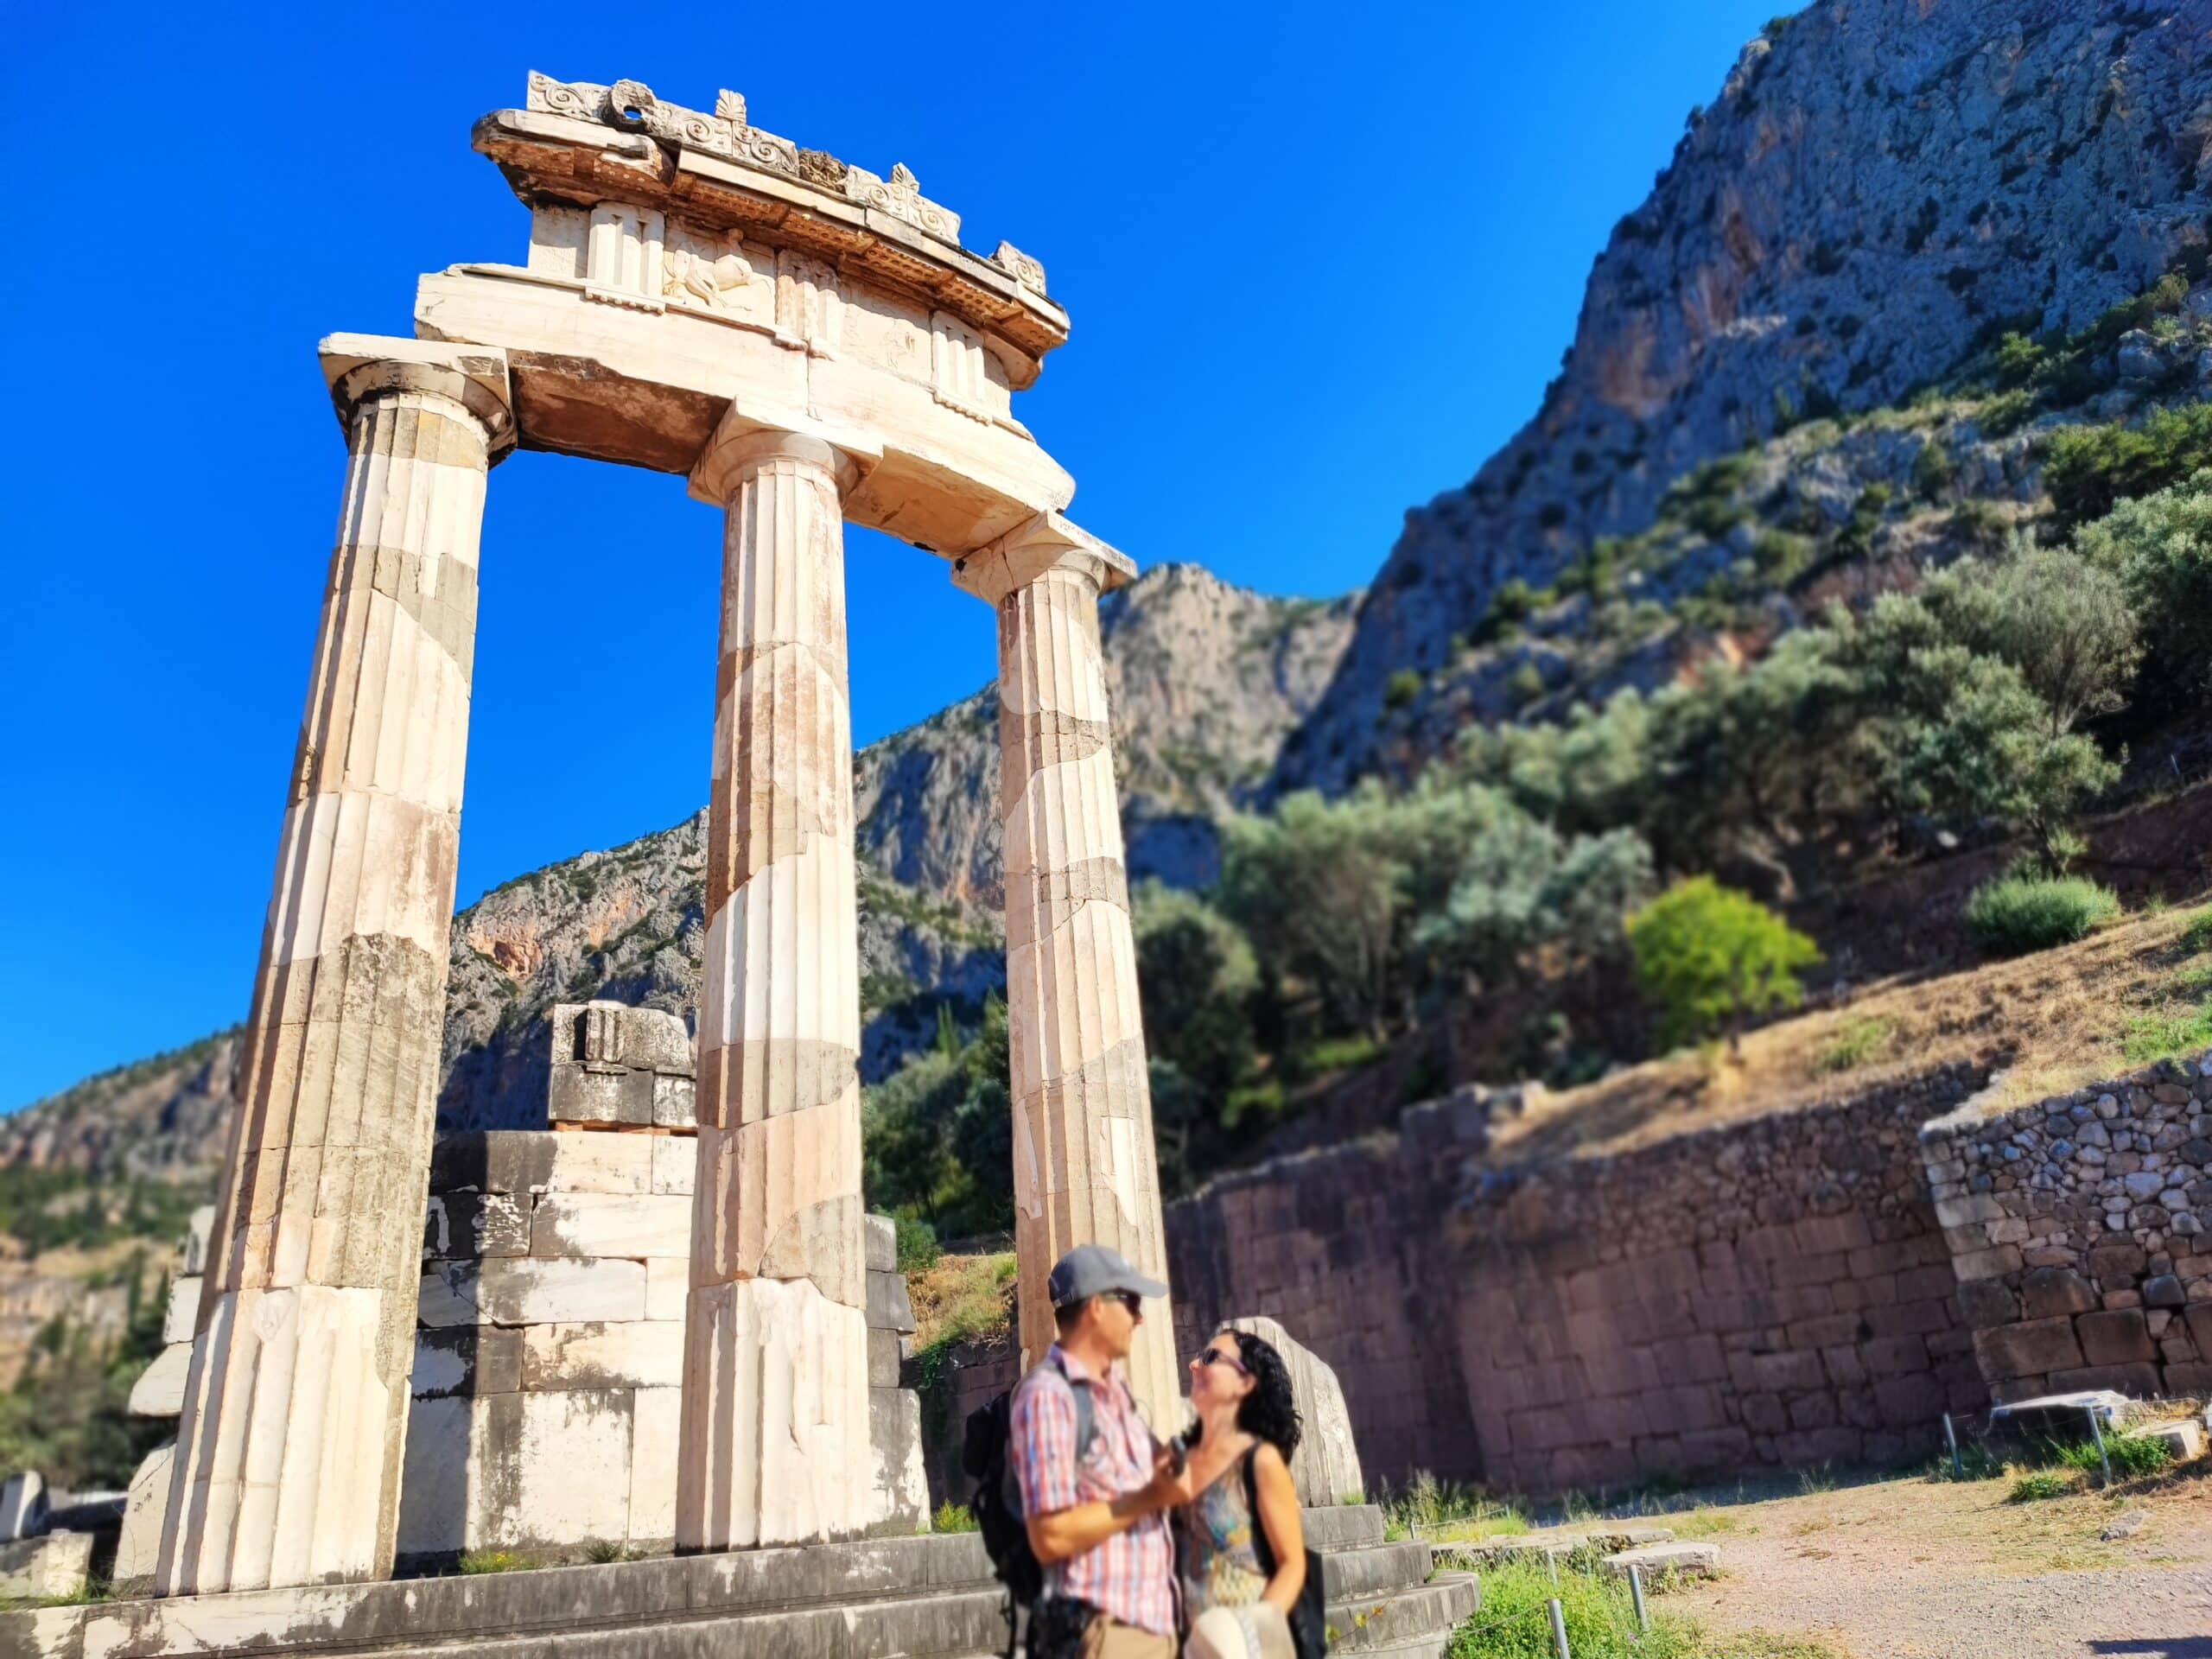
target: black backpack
<point>987,1455</point>
<point>1309,1621</point>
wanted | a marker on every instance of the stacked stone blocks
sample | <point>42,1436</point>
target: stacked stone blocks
<point>2078,1229</point>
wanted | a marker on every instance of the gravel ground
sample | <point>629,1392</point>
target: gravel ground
<point>1916,1569</point>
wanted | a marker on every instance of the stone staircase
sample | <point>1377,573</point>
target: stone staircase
<point>930,1597</point>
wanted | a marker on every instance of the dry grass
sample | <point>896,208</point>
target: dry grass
<point>963,1298</point>
<point>2053,1020</point>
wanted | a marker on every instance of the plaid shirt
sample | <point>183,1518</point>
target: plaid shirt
<point>1132,1574</point>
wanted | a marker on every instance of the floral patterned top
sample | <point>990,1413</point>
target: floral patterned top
<point>1217,1555</point>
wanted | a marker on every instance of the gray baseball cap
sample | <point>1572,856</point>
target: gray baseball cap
<point>1091,1270</point>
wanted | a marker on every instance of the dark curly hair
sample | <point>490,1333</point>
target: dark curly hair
<point>1269,1411</point>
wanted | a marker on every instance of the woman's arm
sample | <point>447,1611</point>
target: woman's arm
<point>1286,1530</point>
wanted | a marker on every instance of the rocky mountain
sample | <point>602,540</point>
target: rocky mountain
<point>1880,188</point>
<point>1207,680</point>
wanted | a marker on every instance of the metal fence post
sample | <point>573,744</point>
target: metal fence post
<point>1951,1440</point>
<point>2097,1433</point>
<point>1635,1591</point>
<point>1559,1629</point>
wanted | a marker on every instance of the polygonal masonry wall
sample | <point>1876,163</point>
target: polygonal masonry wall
<point>807,343</point>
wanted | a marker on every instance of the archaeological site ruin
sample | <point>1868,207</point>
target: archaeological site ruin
<point>661,1328</point>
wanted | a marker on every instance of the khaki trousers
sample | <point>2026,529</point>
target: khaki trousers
<point>1107,1638</point>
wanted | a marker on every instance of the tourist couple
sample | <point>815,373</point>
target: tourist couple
<point>1127,1530</point>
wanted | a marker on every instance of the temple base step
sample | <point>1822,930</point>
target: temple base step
<point>929,1597</point>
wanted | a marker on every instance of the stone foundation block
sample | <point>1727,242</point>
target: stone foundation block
<point>144,1509</point>
<point>889,1307</point>
<point>644,1354</point>
<point>46,1568</point>
<point>533,1291</point>
<point>668,1284</point>
<point>183,1309</point>
<point>2029,1348</point>
<point>461,1224</point>
<point>2119,1336</point>
<point>880,1244</point>
<point>626,1224</point>
<point>883,1358</point>
<point>467,1359</point>
<point>517,1471</point>
<point>900,1482</point>
<point>159,1391</point>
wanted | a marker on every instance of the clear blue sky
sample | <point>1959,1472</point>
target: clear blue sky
<point>1319,264</point>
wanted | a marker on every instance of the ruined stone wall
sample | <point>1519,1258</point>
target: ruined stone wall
<point>2078,1232</point>
<point>1340,1246</point>
<point>1768,1294</point>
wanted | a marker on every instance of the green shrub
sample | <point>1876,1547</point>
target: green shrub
<point>2016,914</point>
<point>477,1561</point>
<point>2018,361</point>
<point>1856,1043</point>
<point>953,1518</point>
<point>1713,958</point>
<point>2006,412</point>
<point>2132,1456</point>
<point>2041,1483</point>
<point>2093,468</point>
<point>2196,936</point>
<point>1600,1618</point>
<point>918,1251</point>
<point>1402,689</point>
<point>1932,469</point>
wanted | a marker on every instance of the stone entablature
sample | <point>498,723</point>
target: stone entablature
<point>2077,1228</point>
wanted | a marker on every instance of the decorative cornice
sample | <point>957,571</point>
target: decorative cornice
<point>631,106</point>
<point>1045,543</point>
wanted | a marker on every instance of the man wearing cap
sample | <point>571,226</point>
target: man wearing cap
<point>1098,1526</point>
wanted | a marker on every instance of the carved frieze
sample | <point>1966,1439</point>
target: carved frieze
<point>631,107</point>
<point>703,276</point>
<point>623,255</point>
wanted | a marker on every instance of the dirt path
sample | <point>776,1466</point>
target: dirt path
<point>1914,1569</point>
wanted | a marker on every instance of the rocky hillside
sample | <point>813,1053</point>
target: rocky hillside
<point>1207,681</point>
<point>1194,742</point>
<point>1880,189</point>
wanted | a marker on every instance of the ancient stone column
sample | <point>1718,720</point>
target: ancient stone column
<point>775,1434</point>
<point>294,1419</point>
<point>1084,1170</point>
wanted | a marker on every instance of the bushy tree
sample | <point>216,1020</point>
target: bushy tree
<point>1714,958</point>
<point>1200,982</point>
<point>2065,622</point>
<point>2092,469</point>
<point>1522,895</point>
<point>2159,549</point>
<point>936,1135</point>
<point>1317,885</point>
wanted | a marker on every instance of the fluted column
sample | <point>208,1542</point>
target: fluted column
<point>1085,1169</point>
<point>775,1429</point>
<point>294,1419</point>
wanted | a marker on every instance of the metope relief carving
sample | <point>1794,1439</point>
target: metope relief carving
<point>623,258</point>
<point>809,305</point>
<point>705,272</point>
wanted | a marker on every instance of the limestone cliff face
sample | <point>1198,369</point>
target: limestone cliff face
<point>1878,185</point>
<point>1207,679</point>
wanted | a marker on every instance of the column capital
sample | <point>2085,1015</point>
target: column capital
<point>737,449</point>
<point>1043,543</point>
<point>356,367</point>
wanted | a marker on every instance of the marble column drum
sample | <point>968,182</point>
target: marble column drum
<point>1085,1169</point>
<point>775,1428</point>
<point>294,1426</point>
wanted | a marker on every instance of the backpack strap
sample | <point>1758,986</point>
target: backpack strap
<point>1086,1420</point>
<point>1261,1546</point>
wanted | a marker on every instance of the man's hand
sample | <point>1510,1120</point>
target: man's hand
<point>1169,1485</point>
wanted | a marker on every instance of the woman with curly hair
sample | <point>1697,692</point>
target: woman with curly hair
<point>1240,1549</point>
